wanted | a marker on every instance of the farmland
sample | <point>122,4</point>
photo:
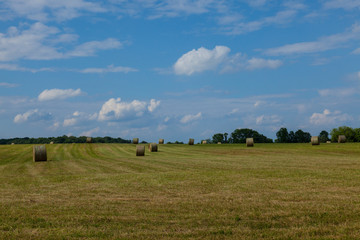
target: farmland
<point>227,191</point>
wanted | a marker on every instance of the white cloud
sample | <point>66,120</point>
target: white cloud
<point>356,51</point>
<point>190,118</point>
<point>341,92</point>
<point>8,85</point>
<point>329,118</point>
<point>52,94</point>
<point>89,48</point>
<point>258,63</point>
<point>322,44</point>
<point>203,59</point>
<point>153,105</point>
<point>115,109</point>
<point>43,10</point>
<point>15,67</point>
<point>69,122</point>
<point>345,4</point>
<point>43,43</point>
<point>32,115</point>
<point>265,119</point>
<point>90,132</point>
<point>200,60</point>
<point>109,69</point>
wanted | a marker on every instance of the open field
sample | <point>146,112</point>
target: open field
<point>93,191</point>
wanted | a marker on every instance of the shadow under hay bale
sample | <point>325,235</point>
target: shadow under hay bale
<point>153,147</point>
<point>135,140</point>
<point>249,142</point>
<point>315,140</point>
<point>161,141</point>
<point>341,139</point>
<point>39,153</point>
<point>88,140</point>
<point>191,141</point>
<point>140,150</point>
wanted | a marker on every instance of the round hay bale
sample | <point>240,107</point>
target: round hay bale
<point>328,141</point>
<point>88,140</point>
<point>219,142</point>
<point>249,142</point>
<point>140,150</point>
<point>161,141</point>
<point>153,147</point>
<point>135,140</point>
<point>203,142</point>
<point>51,142</point>
<point>39,153</point>
<point>341,139</point>
<point>191,141</point>
<point>12,143</point>
<point>315,140</point>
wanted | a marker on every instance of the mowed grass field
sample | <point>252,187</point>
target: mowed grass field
<point>103,191</point>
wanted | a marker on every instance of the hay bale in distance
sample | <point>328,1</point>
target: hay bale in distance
<point>12,143</point>
<point>153,147</point>
<point>161,141</point>
<point>341,139</point>
<point>140,150</point>
<point>51,142</point>
<point>315,140</point>
<point>135,140</point>
<point>39,153</point>
<point>191,141</point>
<point>204,142</point>
<point>219,142</point>
<point>249,142</point>
<point>328,141</point>
<point>88,140</point>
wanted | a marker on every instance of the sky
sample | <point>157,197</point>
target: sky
<point>177,69</point>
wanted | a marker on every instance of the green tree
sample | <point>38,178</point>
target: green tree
<point>324,136</point>
<point>344,130</point>
<point>240,135</point>
<point>282,135</point>
<point>218,137</point>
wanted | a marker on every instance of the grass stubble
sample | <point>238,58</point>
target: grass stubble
<point>92,191</point>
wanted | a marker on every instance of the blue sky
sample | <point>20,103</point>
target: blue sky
<point>177,69</point>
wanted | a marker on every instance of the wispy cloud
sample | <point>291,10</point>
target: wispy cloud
<point>344,4</point>
<point>42,43</point>
<point>32,115</point>
<point>322,44</point>
<point>54,94</point>
<point>8,85</point>
<point>190,118</point>
<point>50,9</point>
<point>109,69</point>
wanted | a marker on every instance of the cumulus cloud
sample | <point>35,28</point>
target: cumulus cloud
<point>329,118</point>
<point>32,115</point>
<point>109,69</point>
<point>200,60</point>
<point>190,118</point>
<point>43,43</point>
<point>203,59</point>
<point>115,109</point>
<point>153,105</point>
<point>322,44</point>
<point>53,94</point>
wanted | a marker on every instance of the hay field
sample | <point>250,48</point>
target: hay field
<point>103,191</point>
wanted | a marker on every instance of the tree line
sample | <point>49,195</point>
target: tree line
<point>62,139</point>
<point>285,136</point>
